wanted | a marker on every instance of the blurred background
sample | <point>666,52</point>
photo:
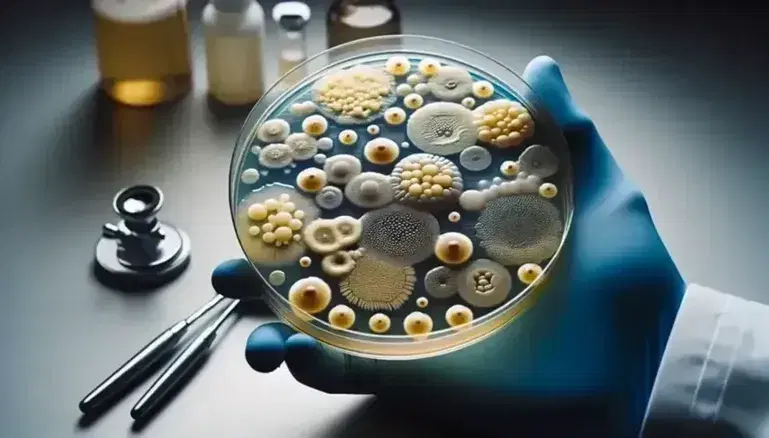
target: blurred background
<point>677,89</point>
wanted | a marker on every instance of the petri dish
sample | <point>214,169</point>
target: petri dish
<point>407,199</point>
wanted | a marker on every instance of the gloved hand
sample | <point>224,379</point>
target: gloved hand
<point>598,332</point>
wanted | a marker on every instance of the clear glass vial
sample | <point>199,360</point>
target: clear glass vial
<point>291,18</point>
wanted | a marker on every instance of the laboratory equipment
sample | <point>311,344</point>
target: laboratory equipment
<point>234,40</point>
<point>350,20</point>
<point>181,366</point>
<point>140,250</point>
<point>291,18</point>
<point>224,280</point>
<point>143,50</point>
<point>137,367</point>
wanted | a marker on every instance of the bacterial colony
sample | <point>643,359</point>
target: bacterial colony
<point>399,197</point>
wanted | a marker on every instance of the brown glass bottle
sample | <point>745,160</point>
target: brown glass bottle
<point>350,20</point>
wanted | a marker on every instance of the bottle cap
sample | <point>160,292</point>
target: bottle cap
<point>291,16</point>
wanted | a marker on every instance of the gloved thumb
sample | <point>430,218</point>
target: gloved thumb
<point>237,279</point>
<point>328,369</point>
<point>593,165</point>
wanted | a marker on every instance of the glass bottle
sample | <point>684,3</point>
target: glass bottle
<point>143,50</point>
<point>350,20</point>
<point>291,18</point>
<point>234,36</point>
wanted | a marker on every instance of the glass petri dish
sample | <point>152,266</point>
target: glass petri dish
<point>405,200</point>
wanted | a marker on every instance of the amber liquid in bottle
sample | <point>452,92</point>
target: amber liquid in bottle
<point>143,60</point>
<point>350,20</point>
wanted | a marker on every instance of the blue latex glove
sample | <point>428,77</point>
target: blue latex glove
<point>597,333</point>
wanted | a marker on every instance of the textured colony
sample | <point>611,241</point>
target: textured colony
<point>519,229</point>
<point>366,214</point>
<point>484,283</point>
<point>341,317</point>
<point>377,284</point>
<point>303,146</point>
<point>538,160</point>
<point>276,156</point>
<point>315,125</point>
<point>338,264</point>
<point>379,323</point>
<point>369,190</point>
<point>395,116</point>
<point>354,95</point>
<point>475,158</point>
<point>340,169</point>
<point>413,101</point>
<point>453,248</point>
<point>426,179</point>
<point>381,151</point>
<point>503,123</point>
<point>548,190</point>
<point>311,295</point>
<point>270,222</point>
<point>529,272</point>
<point>400,234</point>
<point>442,128</point>
<point>329,198</point>
<point>441,282</point>
<point>348,137</point>
<point>458,315</point>
<point>429,67</point>
<point>311,180</point>
<point>451,83</point>
<point>398,66</point>
<point>418,323</point>
<point>325,236</point>
<point>483,89</point>
<point>273,131</point>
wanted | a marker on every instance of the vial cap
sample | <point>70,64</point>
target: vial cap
<point>291,16</point>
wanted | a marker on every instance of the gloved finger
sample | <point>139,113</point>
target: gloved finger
<point>594,167</point>
<point>266,346</point>
<point>237,279</point>
<point>329,370</point>
<point>544,76</point>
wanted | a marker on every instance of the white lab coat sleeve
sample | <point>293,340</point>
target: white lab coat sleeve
<point>714,375</point>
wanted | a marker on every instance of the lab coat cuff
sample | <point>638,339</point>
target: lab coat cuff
<point>706,346</point>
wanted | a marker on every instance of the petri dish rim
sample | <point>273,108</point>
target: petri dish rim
<point>402,347</point>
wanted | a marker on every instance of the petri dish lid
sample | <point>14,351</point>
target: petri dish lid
<point>367,264</point>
